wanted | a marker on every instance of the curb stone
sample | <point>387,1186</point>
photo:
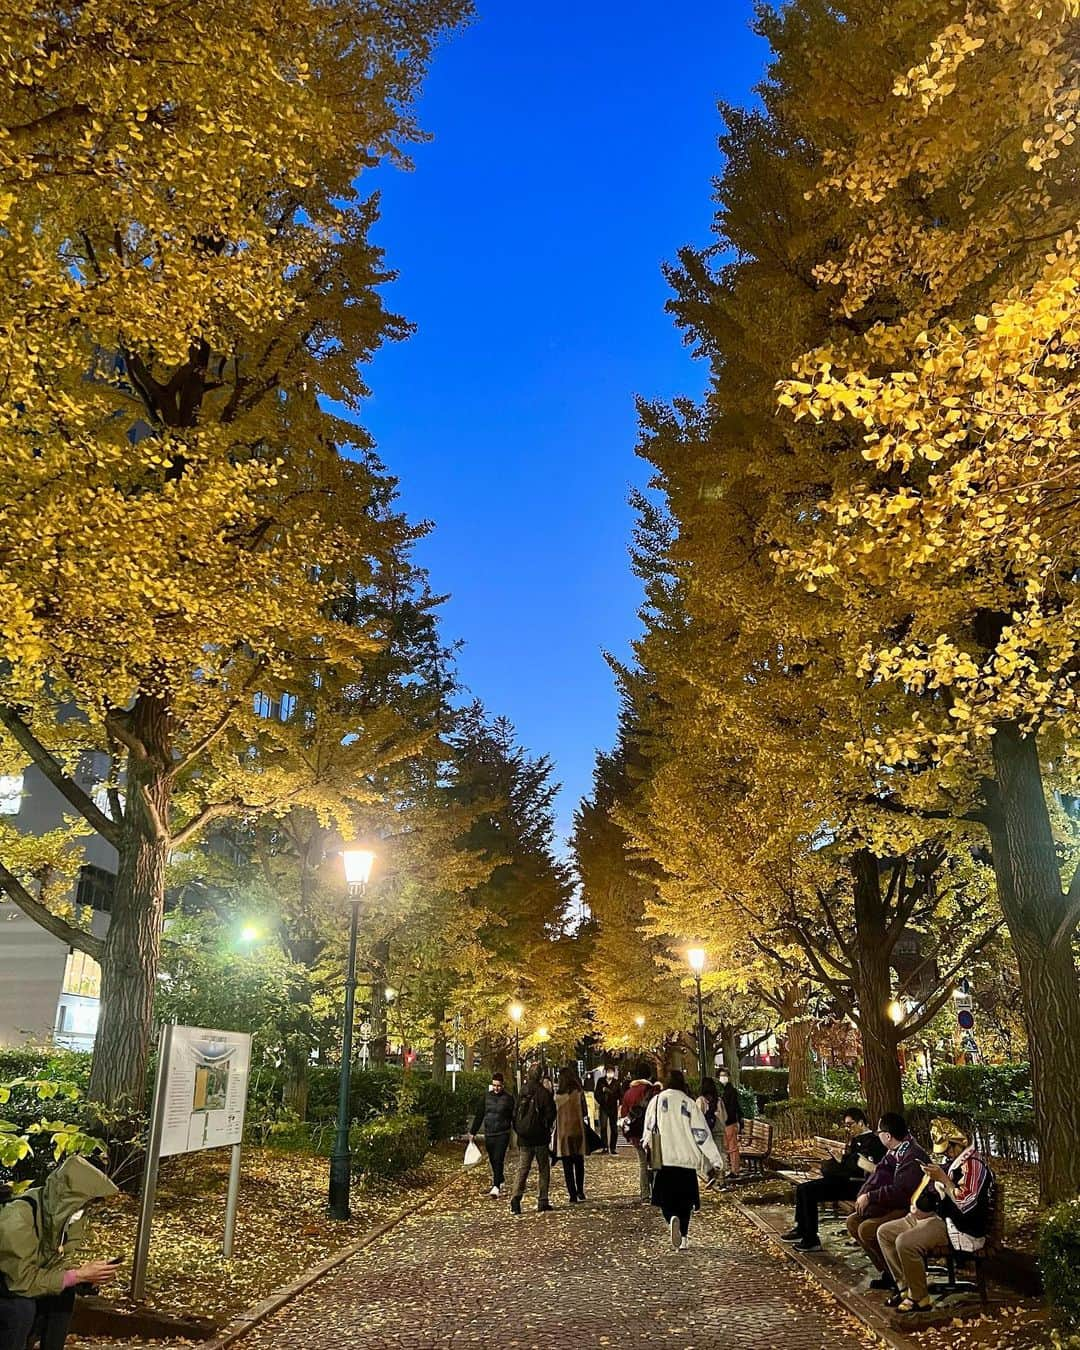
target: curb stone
<point>859,1307</point>
<point>259,1312</point>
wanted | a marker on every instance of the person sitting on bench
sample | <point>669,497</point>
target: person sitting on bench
<point>887,1193</point>
<point>961,1192</point>
<point>841,1179</point>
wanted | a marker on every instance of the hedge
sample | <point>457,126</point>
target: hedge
<point>983,1085</point>
<point>1059,1257</point>
<point>768,1084</point>
<point>1004,1132</point>
<point>389,1147</point>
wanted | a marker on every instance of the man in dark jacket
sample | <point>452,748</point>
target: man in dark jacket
<point>608,1096</point>
<point>887,1193</point>
<point>495,1116</point>
<point>841,1179</point>
<point>534,1118</point>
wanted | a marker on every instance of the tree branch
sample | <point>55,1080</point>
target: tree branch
<point>936,1004</point>
<point>45,918</point>
<point>204,742</point>
<point>61,781</point>
<point>1071,917</point>
<point>157,825</point>
<point>214,811</point>
<point>127,738</point>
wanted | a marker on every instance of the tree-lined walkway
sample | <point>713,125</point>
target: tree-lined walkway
<point>465,1273</point>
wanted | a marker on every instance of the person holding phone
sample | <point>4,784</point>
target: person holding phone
<point>841,1179</point>
<point>42,1234</point>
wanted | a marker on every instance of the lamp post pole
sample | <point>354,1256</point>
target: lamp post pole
<point>516,1013</point>
<point>696,957</point>
<point>357,871</point>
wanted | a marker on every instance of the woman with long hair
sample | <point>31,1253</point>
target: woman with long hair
<point>680,1145</point>
<point>570,1111</point>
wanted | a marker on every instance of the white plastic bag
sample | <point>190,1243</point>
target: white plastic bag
<point>472,1154</point>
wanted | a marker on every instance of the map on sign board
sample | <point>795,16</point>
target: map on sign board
<point>205,1089</point>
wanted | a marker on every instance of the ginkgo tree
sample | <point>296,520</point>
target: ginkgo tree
<point>185,277</point>
<point>957,497</point>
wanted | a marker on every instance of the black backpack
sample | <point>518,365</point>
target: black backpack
<point>635,1121</point>
<point>528,1123</point>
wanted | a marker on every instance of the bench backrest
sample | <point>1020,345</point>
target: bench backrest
<point>761,1134</point>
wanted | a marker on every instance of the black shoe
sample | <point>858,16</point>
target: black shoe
<point>581,1198</point>
<point>895,1299</point>
<point>544,1207</point>
<point>883,1282</point>
<point>792,1235</point>
<point>515,1206</point>
<point>574,1200</point>
<point>808,1244</point>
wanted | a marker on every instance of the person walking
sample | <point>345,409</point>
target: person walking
<point>608,1097</point>
<point>495,1118</point>
<point>635,1102</point>
<point>534,1116</point>
<point>570,1116</point>
<point>680,1145</point>
<point>730,1112</point>
<point>42,1232</point>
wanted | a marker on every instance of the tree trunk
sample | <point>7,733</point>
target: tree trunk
<point>873,990</point>
<point>729,1044</point>
<point>469,1058</point>
<point>380,960</point>
<point>438,1050</point>
<point>129,964</point>
<point>294,1092</point>
<point>1030,893</point>
<point>798,1056</point>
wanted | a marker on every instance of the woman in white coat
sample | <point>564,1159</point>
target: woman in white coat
<point>676,1130</point>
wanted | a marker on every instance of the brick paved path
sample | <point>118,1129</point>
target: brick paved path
<point>466,1273</point>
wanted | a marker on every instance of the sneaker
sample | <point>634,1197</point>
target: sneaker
<point>581,1198</point>
<point>684,1244</point>
<point>544,1207</point>
<point>574,1200</point>
<point>494,1192</point>
<point>515,1205</point>
<point>894,1300</point>
<point>673,1230</point>
<point>809,1244</point>
<point>883,1282</point>
<point>792,1235</point>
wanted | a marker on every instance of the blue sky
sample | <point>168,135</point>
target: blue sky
<point>574,147</point>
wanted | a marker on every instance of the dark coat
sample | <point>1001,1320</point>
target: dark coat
<point>570,1124</point>
<point>866,1145</point>
<point>545,1114</point>
<point>730,1107</point>
<point>607,1094</point>
<point>893,1181</point>
<point>495,1114</point>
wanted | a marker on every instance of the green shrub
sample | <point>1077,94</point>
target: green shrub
<point>983,1086</point>
<point>839,1086</point>
<point>389,1147</point>
<point>768,1084</point>
<point>1059,1257</point>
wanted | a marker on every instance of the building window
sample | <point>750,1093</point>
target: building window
<point>95,889</point>
<point>11,790</point>
<point>82,975</point>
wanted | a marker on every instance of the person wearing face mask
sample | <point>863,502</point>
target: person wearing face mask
<point>42,1233</point>
<point>495,1115</point>
<point>608,1097</point>
<point>961,1192</point>
<point>729,1111</point>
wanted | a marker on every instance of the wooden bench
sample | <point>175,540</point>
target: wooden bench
<point>755,1143</point>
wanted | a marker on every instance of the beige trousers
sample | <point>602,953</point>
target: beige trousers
<point>905,1243</point>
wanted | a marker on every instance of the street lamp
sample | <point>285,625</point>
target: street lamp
<point>358,863</point>
<point>517,1012</point>
<point>542,1034</point>
<point>696,957</point>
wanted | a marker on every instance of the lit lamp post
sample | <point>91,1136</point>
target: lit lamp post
<point>358,864</point>
<point>696,957</point>
<point>542,1034</point>
<point>639,1022</point>
<point>517,1012</point>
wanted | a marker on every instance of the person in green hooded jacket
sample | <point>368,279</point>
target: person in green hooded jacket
<point>42,1234</point>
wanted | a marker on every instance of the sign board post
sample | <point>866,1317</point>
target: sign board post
<point>200,1093</point>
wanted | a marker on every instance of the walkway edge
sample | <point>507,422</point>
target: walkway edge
<point>859,1307</point>
<point>266,1307</point>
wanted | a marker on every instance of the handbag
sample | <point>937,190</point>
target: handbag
<point>593,1142</point>
<point>472,1154</point>
<point>653,1147</point>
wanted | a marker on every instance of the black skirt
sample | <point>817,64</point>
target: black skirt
<point>675,1189</point>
